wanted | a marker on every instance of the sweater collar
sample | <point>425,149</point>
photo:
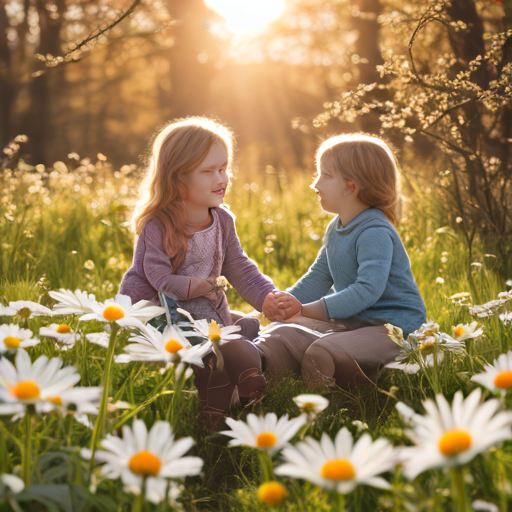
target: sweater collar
<point>364,217</point>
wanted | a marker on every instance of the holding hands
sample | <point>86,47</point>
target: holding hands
<point>280,306</point>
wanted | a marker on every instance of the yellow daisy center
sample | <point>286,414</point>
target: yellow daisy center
<point>173,346</point>
<point>63,329</point>
<point>272,493</point>
<point>454,442</point>
<point>427,347</point>
<point>308,407</point>
<point>338,469</point>
<point>12,342</point>
<point>503,380</point>
<point>56,400</point>
<point>113,312</point>
<point>214,332</point>
<point>459,331</point>
<point>25,390</point>
<point>145,463</point>
<point>266,440</point>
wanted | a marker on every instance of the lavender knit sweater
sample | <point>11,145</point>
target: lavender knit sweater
<point>151,270</point>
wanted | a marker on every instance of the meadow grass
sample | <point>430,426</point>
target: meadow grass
<point>71,239</point>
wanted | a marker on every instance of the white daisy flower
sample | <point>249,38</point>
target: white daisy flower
<point>10,484</point>
<point>169,346</point>
<point>453,435</point>
<point>429,328</point>
<point>155,491</point>
<point>62,333</point>
<point>497,376</point>
<point>214,331</point>
<point>340,465</point>
<point>360,425</point>
<point>99,338</point>
<point>484,506</point>
<point>409,368</point>
<point>13,337</point>
<point>7,311</point>
<point>311,404</point>
<point>422,348</point>
<point>461,298</point>
<point>122,311</point>
<point>154,455</point>
<point>29,309</point>
<point>506,318</point>
<point>84,400</point>
<point>73,303</point>
<point>264,432</point>
<point>464,332</point>
<point>492,307</point>
<point>35,383</point>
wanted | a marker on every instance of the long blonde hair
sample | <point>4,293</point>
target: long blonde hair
<point>176,150</point>
<point>368,161</point>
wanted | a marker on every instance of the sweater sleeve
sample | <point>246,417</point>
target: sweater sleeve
<point>242,272</point>
<point>374,252</point>
<point>157,265</point>
<point>316,282</point>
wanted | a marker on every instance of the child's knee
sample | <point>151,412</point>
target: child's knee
<point>282,347</point>
<point>249,327</point>
<point>317,364</point>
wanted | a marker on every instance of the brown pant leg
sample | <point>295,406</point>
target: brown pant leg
<point>241,375</point>
<point>283,346</point>
<point>340,355</point>
<point>242,362</point>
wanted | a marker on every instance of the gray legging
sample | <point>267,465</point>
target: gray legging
<point>350,352</point>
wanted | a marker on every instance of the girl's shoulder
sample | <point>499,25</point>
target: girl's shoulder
<point>153,229</point>
<point>226,217</point>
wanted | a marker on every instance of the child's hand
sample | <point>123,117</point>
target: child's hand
<point>201,288</point>
<point>280,306</point>
<point>270,306</point>
<point>288,305</point>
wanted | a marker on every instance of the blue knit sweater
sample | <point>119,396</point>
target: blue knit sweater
<point>366,266</point>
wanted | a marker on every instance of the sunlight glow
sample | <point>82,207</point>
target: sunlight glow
<point>243,16</point>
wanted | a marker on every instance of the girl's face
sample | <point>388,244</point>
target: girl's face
<point>206,184</point>
<point>334,192</point>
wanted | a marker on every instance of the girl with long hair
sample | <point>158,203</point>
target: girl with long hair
<point>186,240</point>
<point>360,280</point>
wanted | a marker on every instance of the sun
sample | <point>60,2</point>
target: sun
<point>243,16</point>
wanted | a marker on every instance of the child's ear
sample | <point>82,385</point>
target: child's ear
<point>351,187</point>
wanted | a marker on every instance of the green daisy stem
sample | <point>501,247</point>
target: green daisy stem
<point>26,466</point>
<point>166,378</point>
<point>266,467</point>
<point>99,426</point>
<point>436,374</point>
<point>341,502</point>
<point>138,504</point>
<point>459,488</point>
<point>69,428</point>
<point>85,373</point>
<point>179,383</point>
<point>502,483</point>
<point>303,431</point>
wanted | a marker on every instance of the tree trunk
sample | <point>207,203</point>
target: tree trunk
<point>6,90</point>
<point>41,126</point>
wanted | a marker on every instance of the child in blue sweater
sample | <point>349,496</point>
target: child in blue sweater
<point>360,280</point>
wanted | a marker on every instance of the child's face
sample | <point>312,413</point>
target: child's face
<point>334,192</point>
<point>206,184</point>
